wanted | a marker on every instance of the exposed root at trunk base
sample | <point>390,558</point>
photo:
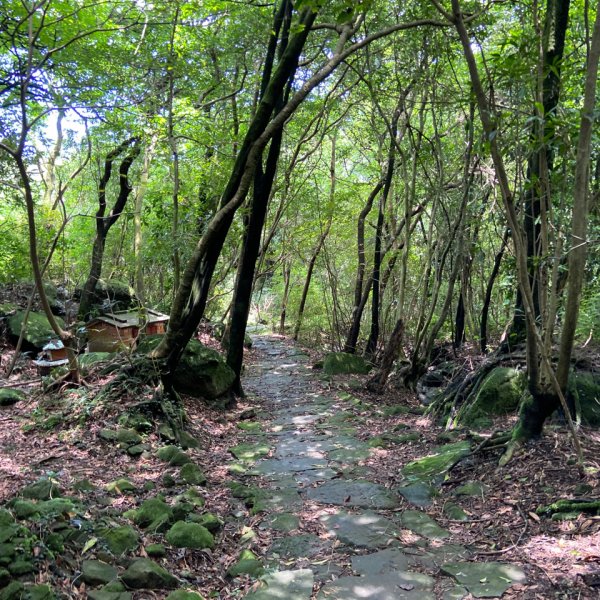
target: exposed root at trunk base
<point>512,447</point>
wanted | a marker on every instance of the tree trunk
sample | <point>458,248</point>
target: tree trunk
<point>354,330</point>
<point>263,184</point>
<point>104,223</point>
<point>392,350</point>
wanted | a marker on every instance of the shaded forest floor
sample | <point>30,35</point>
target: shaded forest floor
<point>57,437</point>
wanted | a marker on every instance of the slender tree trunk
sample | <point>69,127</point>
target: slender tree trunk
<point>287,272</point>
<point>103,222</point>
<point>485,310</point>
<point>354,330</point>
<point>263,184</point>
<point>371,348</point>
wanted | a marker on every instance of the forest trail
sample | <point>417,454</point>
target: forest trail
<point>335,528</point>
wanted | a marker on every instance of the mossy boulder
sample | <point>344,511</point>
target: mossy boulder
<point>120,539</point>
<point>435,465</point>
<point>128,437</point>
<point>190,535</point>
<point>587,388</point>
<point>13,591</point>
<point>499,394</point>
<point>119,294</point>
<point>25,509</point>
<point>38,331</point>
<point>145,574</point>
<point>247,564</point>
<point>338,363</point>
<point>10,396</point>
<point>209,521</point>
<point>192,474</point>
<point>5,517</point>
<point>173,455</point>
<point>156,550</point>
<point>120,486</point>
<point>202,372</point>
<point>95,572</point>
<point>40,592</point>
<point>153,514</point>
<point>43,489</point>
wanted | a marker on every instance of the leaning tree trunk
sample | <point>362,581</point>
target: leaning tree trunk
<point>103,222</point>
<point>358,307</point>
<point>371,347</point>
<point>263,184</point>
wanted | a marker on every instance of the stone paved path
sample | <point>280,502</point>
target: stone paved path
<point>314,463</point>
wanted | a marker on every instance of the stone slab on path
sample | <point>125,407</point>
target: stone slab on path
<point>398,586</point>
<point>485,580</point>
<point>423,525</point>
<point>285,585</point>
<point>400,559</point>
<point>305,545</point>
<point>358,494</point>
<point>363,530</point>
<point>289,464</point>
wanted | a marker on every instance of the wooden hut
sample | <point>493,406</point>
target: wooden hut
<point>53,355</point>
<point>116,331</point>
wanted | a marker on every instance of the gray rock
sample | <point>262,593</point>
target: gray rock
<point>403,585</point>
<point>360,494</point>
<point>423,525</point>
<point>288,585</point>
<point>305,545</point>
<point>485,580</point>
<point>95,572</point>
<point>419,493</point>
<point>363,530</point>
<point>144,573</point>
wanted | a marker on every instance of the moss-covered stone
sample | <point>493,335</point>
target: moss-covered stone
<point>192,474</point>
<point>24,509</point>
<point>120,486</point>
<point>190,535</point>
<point>499,394</point>
<point>156,550</point>
<point>338,363</point>
<point>38,331</point>
<point>202,372</point>
<point>209,521</point>
<point>247,564</point>
<point>436,464</point>
<point>188,441</point>
<point>40,592</point>
<point>121,539</point>
<point>6,517</point>
<point>21,567</point>
<point>128,437</point>
<point>144,573</point>
<point>95,572</point>
<point>41,490</point>
<point>248,451</point>
<point>587,386</point>
<point>10,396</point>
<point>153,514</point>
<point>58,506</point>
<point>173,455</point>
<point>13,591</point>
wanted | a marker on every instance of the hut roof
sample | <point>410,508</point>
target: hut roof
<point>130,318</point>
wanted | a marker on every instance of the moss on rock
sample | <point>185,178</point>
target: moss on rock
<point>587,387</point>
<point>153,514</point>
<point>38,331</point>
<point>337,363</point>
<point>190,535</point>
<point>202,372</point>
<point>499,393</point>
